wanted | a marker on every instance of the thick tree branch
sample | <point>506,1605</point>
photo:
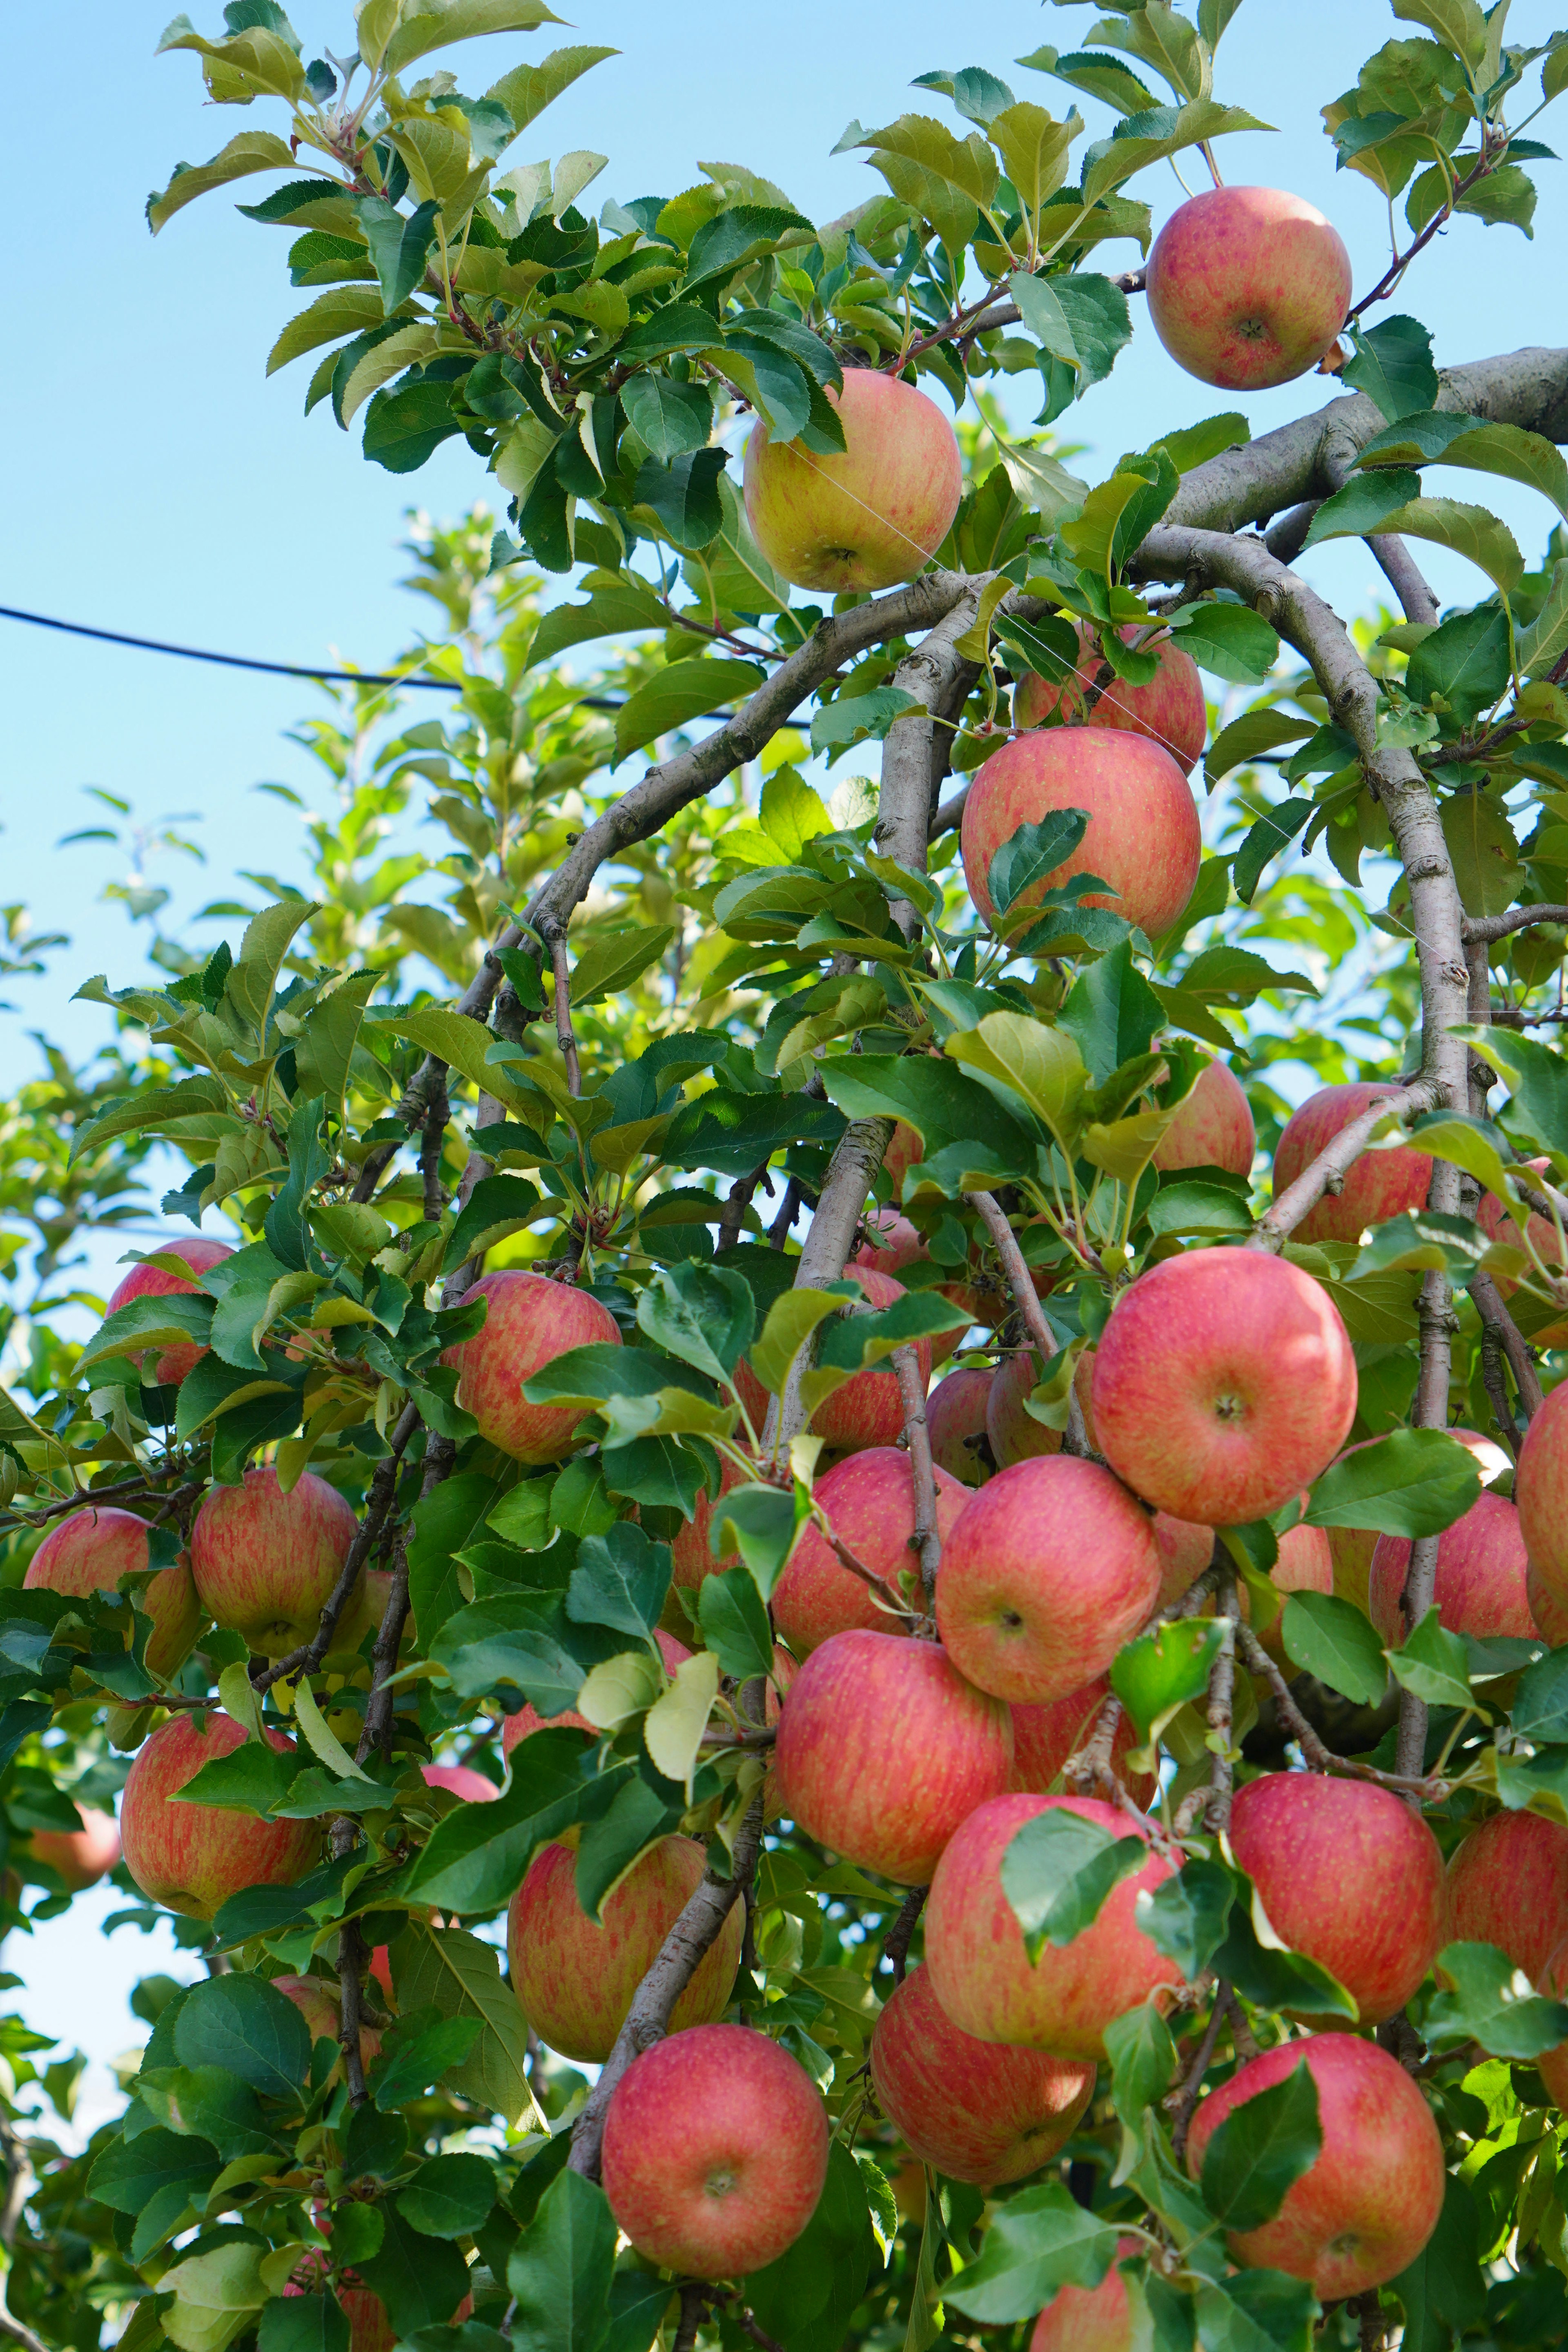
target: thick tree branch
<point>931,674</point>
<point>851,1173</point>
<point>1487,927</point>
<point>1328,1172</point>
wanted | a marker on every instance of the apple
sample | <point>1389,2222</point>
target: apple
<point>870,1502</point>
<point>1143,835</point>
<point>956,1424</point>
<point>892,1242</point>
<point>92,1549</point>
<point>1348,1875</point>
<point>1550,1613</point>
<point>319,2003</point>
<point>1213,1128</point>
<point>979,1969</point>
<point>1044,1736</point>
<point>1223,1382</point>
<point>1381,1185</point>
<point>715,2151</point>
<point>575,1981</point>
<point>1552,2065</point>
<point>1507,1884</point>
<point>1091,2319</point>
<point>1185,1550</point>
<point>1363,2209</point>
<point>1305,1564</point>
<point>906,1146</point>
<point>460,1780</point>
<point>868,1409</point>
<point>884,1748</point>
<point>193,1857</point>
<point>265,1562</point>
<point>1169,710</point>
<point>867,518</point>
<point>151,1282</point>
<point>81,1857</point>
<point>1248,287</point>
<point>1481,1576</point>
<point>1541,1492</point>
<point>526,1721</point>
<point>1051,1567</point>
<point>976,2111</point>
<point>531,1321</point>
<point>691,1553</point>
<point>1013,1434</point>
<point>1498,1226</point>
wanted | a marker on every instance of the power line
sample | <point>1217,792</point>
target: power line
<point>229,661</point>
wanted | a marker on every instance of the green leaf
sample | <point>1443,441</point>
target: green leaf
<point>703,1314</point>
<point>1057,1872</point>
<point>1260,2151</point>
<point>1158,131</point>
<point>1540,1710</point>
<point>1538,1077</point>
<point>674,696</point>
<point>760,1523</point>
<point>1143,2069</point>
<point>399,246</point>
<point>304,2323</point>
<point>860,719</point>
<point>405,425</point>
<point>1194,445</point>
<point>1266,1975</point>
<point>242,2024</point>
<point>1492,2002</point>
<point>1112,1013</point>
<point>1185,1917</point>
<point>1229,640</point>
<point>1255,732</point>
<point>1433,1664</point>
<point>609,962</point>
<point>1437,437</point>
<point>735,1623</point>
<point>1037,2242</point>
<point>1331,1640</point>
<point>341,311</point>
<point>1446,2284</point>
<point>477,1856</point>
<point>1033,852</point>
<point>1363,505</point>
<point>1160,1671</point>
<point>670,418</point>
<point>682,498</point>
<point>461,1977</point>
<point>934,1098</point>
<point>1465,661</point>
<point>448,2197</point>
<point>1272,832</point>
<point>421,2280</point>
<point>1414,1482</point>
<point>128,2174</point>
<point>621,1580</point>
<point>1393,365</point>
<point>253,151</point>
<point>1257,2311</point>
<point>806,2298</point>
<point>144,1113</point>
<point>609,612</point>
<point>432,24</point>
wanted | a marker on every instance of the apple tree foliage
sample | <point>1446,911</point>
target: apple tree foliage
<point>411,1068</point>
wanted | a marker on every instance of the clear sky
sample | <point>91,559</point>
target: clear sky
<point>156,482</point>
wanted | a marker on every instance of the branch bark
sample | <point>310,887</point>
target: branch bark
<point>925,1540</point>
<point>1332,1165</point>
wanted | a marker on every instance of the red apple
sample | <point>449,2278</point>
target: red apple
<point>1550,1613</point>
<point>319,2003</point>
<point>81,1858</point>
<point>871,516</point>
<point>193,1857</point>
<point>1213,1128</point>
<point>955,1424</point>
<point>1541,1491</point>
<point>1381,1185</point>
<point>1498,1226</point>
<point>884,1748</point>
<point>1349,1875</point>
<point>1044,1736</point>
<point>1507,1884</point>
<point>1013,1433</point>
<point>575,1981</point>
<point>1481,1572</point>
<point>1169,710</point>
<point>1223,1382</point>
<point>531,1321</point>
<point>869,1501</point>
<point>1143,836</point>
<point>1305,1564</point>
<point>1052,1566</point>
<point>1362,2213</point>
<point>1552,2065</point>
<point>979,1969</point>
<point>691,1553</point>
<point>526,1722</point>
<point>1091,2319</point>
<point>172,1363</point>
<point>1185,1550</point>
<point>265,1562</point>
<point>460,1780</point>
<point>715,2151</point>
<point>1248,287</point>
<point>92,1549</point>
<point>892,1242</point>
<point>903,1152</point>
<point>976,2111</point>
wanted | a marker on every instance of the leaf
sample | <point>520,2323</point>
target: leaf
<point>683,691</point>
<point>1538,1077</point>
<point>405,426</point>
<point>253,151</point>
<point>1112,1013</point>
<point>341,311</point>
<point>1446,2282</point>
<point>670,418</point>
<point>760,1523</point>
<point>1041,1066</point>
<point>1466,661</point>
<point>156,1106</point>
<point>461,1977</point>
<point>559,2270</point>
<point>324,1744</point>
<point>621,1580</point>
<point>1033,852</point>
<point>527,91</point>
<point>1437,437</point>
<point>860,719</point>
<point>1273,832</point>
<point>1363,504</point>
<point>243,2025</point>
<point>734,1623</point>
<point>1229,640</point>
<point>1185,1917</point>
<point>1255,2311</point>
<point>1493,2002</point>
<point>477,1856</point>
<point>673,1728</point>
<point>1143,2069</point>
<point>1393,365</point>
<point>1037,2242</point>
<point>703,1314</point>
<point>448,2197</point>
<point>1261,2150</point>
<point>420,2280</point>
<point>1034,149</point>
<point>1160,1671</point>
<point>1332,1639</point>
<point>1414,1482</point>
<point>1540,1710</point>
<point>683,496</point>
<point>807,2298</point>
<point>463,1045</point>
<point>1255,732</point>
<point>1158,131</point>
<point>431,24</point>
<point>610,963</point>
<point>304,2323</point>
<point>1057,1872</point>
<point>1459,24</point>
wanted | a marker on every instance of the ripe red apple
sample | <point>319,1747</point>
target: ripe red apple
<point>980,1970</point>
<point>265,1562</point>
<point>193,1857</point>
<point>1381,1185</point>
<point>1169,710</point>
<point>869,1501</point>
<point>1507,1884</point>
<point>170,1366</point>
<point>976,2110</point>
<point>955,1424</point>
<point>1143,835</point>
<point>531,1321</point>
<point>1248,287</point>
<point>884,1748</point>
<point>1363,2210</point>
<point>92,1549</point>
<point>1481,1576</point>
<point>1223,1382</point>
<point>1185,1550</point>
<point>575,1981</point>
<point>1550,1613</point>
<point>1213,1128</point>
<point>1541,1492</point>
<point>892,1242</point>
<point>871,516</point>
<point>1349,1875</point>
<point>81,1858</point>
<point>1051,1567</point>
<point>715,2151</point>
<point>1498,1226</point>
<point>526,1722</point>
<point>905,1149</point>
<point>1013,1434</point>
<point>460,1780</point>
<point>1552,2065</point>
<point>319,2003</point>
<point>1044,1736</point>
<point>1089,2319</point>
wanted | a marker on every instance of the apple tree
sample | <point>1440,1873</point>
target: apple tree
<point>1082,1847</point>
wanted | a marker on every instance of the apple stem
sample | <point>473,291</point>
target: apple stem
<point>1206,151</point>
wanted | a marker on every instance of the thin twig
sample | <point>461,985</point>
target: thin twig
<point>789,1210</point>
<point>307,1659</point>
<point>925,1539</point>
<point>1182,2101</point>
<point>901,1935</point>
<point>693,2304</point>
<point>1488,928</point>
<point>1222,1691</point>
<point>1256,1660</point>
<point>565,1035</point>
<point>1497,1320</point>
<point>736,1202</point>
<point>432,1135</point>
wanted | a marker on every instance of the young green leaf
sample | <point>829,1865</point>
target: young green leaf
<point>1057,1872</point>
<point>1261,2150</point>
